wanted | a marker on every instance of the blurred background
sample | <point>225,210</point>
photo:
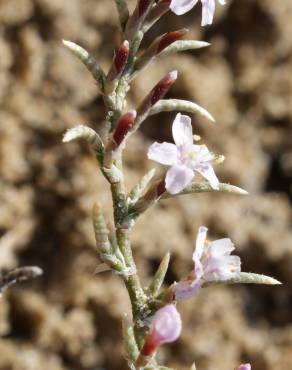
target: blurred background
<point>71,319</point>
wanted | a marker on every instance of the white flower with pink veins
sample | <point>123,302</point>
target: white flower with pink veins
<point>184,157</point>
<point>212,261</point>
<point>180,7</point>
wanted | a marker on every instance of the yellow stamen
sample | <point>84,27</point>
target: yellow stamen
<point>219,159</point>
<point>196,137</point>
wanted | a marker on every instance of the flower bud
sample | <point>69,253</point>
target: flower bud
<point>158,92</point>
<point>155,191</point>
<point>156,13</point>
<point>158,45</point>
<point>143,7</point>
<point>136,20</point>
<point>244,367</point>
<point>118,65</point>
<point>119,61</point>
<point>170,37</point>
<point>165,328</point>
<point>123,126</point>
<point>160,188</point>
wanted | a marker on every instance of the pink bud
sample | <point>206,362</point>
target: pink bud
<point>122,56</point>
<point>169,38</point>
<point>163,86</point>
<point>144,6</point>
<point>123,126</point>
<point>244,367</point>
<point>119,61</point>
<point>166,328</point>
<point>160,188</point>
<point>158,92</point>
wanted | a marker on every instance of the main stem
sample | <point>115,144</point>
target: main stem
<point>123,232</point>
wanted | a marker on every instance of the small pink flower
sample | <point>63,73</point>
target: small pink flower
<point>184,157</point>
<point>244,367</point>
<point>213,262</point>
<point>166,328</point>
<point>180,7</point>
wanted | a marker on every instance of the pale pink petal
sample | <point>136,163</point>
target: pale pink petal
<point>244,367</point>
<point>221,247</point>
<point>166,325</point>
<point>202,153</point>
<point>180,7</point>
<point>165,153</point>
<point>185,289</point>
<point>208,11</point>
<point>178,178</point>
<point>200,243</point>
<point>207,171</point>
<point>221,269</point>
<point>182,131</point>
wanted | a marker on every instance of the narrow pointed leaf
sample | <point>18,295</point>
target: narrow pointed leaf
<point>100,230</point>
<point>205,187</point>
<point>156,13</point>
<point>170,105</point>
<point>88,60</point>
<point>248,278</point>
<point>159,276</point>
<point>183,45</point>
<point>123,11</point>
<point>102,267</point>
<point>139,188</point>
<point>132,349</point>
<point>85,133</point>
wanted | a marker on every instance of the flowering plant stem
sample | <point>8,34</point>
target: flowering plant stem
<point>212,262</point>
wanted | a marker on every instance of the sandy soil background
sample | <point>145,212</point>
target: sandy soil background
<point>70,319</point>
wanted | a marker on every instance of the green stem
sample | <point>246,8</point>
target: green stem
<point>132,282</point>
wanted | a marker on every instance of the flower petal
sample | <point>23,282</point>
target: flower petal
<point>208,172</point>
<point>186,289</point>
<point>221,247</point>
<point>178,178</point>
<point>208,11</point>
<point>180,7</point>
<point>164,153</point>
<point>202,153</point>
<point>166,325</point>
<point>200,243</point>
<point>221,269</point>
<point>182,131</point>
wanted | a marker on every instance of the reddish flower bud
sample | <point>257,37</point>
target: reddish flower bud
<point>119,62</point>
<point>144,7</point>
<point>166,328</point>
<point>160,188</point>
<point>123,126</point>
<point>168,38</point>
<point>137,19</point>
<point>156,13</point>
<point>157,47</point>
<point>162,87</point>
<point>157,92</point>
<point>122,57</point>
